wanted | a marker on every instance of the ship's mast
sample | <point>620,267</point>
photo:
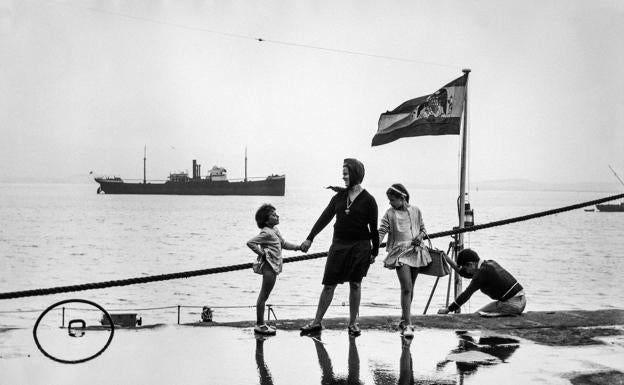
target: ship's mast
<point>245,163</point>
<point>144,160</point>
<point>616,175</point>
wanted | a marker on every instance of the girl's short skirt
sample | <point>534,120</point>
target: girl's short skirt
<point>347,261</point>
<point>406,255</point>
<point>274,262</point>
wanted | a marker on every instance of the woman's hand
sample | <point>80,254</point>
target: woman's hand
<point>305,245</point>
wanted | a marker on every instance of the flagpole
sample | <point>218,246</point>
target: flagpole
<point>144,160</point>
<point>245,163</point>
<point>462,184</point>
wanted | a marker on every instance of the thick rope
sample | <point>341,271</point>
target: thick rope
<point>244,266</point>
<point>526,217</point>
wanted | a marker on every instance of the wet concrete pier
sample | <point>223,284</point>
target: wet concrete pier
<point>552,328</point>
<point>571,347</point>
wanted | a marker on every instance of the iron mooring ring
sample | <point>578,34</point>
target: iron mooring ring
<point>45,353</point>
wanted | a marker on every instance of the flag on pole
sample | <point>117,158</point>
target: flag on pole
<point>436,114</point>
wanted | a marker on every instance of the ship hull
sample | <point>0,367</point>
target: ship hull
<point>611,208</point>
<point>273,186</point>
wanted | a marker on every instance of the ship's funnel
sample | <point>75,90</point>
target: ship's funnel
<point>196,168</point>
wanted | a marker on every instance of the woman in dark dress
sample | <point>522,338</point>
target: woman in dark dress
<point>354,246</point>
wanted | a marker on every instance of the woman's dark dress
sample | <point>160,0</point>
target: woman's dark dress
<point>348,259</point>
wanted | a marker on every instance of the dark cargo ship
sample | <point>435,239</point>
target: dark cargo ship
<point>611,208</point>
<point>215,183</point>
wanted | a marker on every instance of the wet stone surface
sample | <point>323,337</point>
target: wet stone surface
<point>178,354</point>
<point>567,336</point>
<point>611,377</point>
<point>561,328</point>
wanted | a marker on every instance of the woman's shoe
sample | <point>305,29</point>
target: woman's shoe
<point>402,327</point>
<point>354,330</point>
<point>408,332</point>
<point>311,328</point>
<point>265,330</point>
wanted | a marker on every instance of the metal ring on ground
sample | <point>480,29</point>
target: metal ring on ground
<point>110,338</point>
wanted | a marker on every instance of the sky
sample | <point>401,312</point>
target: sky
<point>87,85</point>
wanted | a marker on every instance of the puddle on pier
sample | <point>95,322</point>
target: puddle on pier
<point>177,354</point>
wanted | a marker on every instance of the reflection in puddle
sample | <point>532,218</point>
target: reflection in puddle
<point>384,375</point>
<point>263,370</point>
<point>328,376</point>
<point>380,374</point>
<point>474,352</point>
<point>234,356</point>
<point>327,371</point>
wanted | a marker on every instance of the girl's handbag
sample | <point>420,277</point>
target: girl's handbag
<point>438,266</point>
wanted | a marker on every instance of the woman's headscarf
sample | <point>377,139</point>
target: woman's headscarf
<point>356,171</point>
<point>356,174</point>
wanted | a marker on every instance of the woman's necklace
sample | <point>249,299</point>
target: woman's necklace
<point>356,189</point>
<point>349,203</point>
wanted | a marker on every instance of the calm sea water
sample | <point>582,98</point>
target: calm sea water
<point>54,235</point>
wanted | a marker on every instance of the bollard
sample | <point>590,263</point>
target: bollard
<point>178,314</point>
<point>63,318</point>
<point>206,315</point>
<point>269,311</point>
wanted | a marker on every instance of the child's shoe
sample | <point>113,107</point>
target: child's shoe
<point>311,329</point>
<point>265,330</point>
<point>354,330</point>
<point>407,330</point>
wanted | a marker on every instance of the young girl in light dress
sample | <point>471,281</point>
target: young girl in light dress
<point>268,246</point>
<point>405,228</point>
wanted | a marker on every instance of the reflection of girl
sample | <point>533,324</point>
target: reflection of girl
<point>406,372</point>
<point>263,370</point>
<point>405,228</point>
<point>350,254</point>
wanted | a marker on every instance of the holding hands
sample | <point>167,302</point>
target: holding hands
<point>305,245</point>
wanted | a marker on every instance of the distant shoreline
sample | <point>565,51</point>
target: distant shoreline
<point>502,185</point>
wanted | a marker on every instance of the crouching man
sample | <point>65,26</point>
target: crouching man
<point>494,281</point>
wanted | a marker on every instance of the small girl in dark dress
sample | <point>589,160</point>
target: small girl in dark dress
<point>354,246</point>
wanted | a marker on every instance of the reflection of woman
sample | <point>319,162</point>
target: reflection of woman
<point>350,254</point>
<point>327,371</point>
